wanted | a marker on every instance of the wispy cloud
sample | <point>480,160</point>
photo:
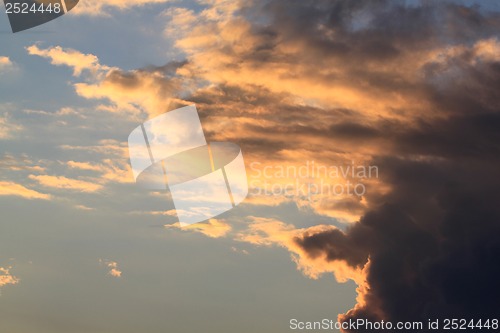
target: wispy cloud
<point>213,228</point>
<point>8,188</point>
<point>150,90</point>
<point>104,7</point>
<point>21,163</point>
<point>6,65</point>
<point>64,183</point>
<point>113,268</point>
<point>107,170</point>
<point>68,57</point>
<point>8,128</point>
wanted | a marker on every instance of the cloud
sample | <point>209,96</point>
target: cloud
<point>213,228</point>
<point>8,128</point>
<point>272,232</point>
<point>215,53</point>
<point>179,18</point>
<point>13,189</point>
<point>20,163</point>
<point>150,90</point>
<point>112,148</point>
<point>345,255</point>
<point>64,183</point>
<point>83,207</point>
<point>392,84</point>
<point>425,243</point>
<point>68,57</point>
<point>133,91</point>
<point>65,111</point>
<point>6,65</point>
<point>412,89</point>
<point>113,268</point>
<point>108,170</point>
<point>103,8</point>
<point>236,250</point>
<point>6,278</point>
<point>83,166</point>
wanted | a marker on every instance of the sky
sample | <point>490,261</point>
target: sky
<point>406,88</point>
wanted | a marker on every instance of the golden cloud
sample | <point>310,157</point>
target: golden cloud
<point>113,268</point>
<point>64,183</point>
<point>6,64</point>
<point>109,170</point>
<point>101,8</point>
<point>68,57</point>
<point>6,278</point>
<point>14,189</point>
<point>213,228</point>
<point>272,232</point>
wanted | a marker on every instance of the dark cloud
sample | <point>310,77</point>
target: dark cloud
<point>433,241</point>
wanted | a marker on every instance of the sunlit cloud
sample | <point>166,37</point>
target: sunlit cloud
<point>6,65</point>
<point>84,208</point>
<point>132,92</point>
<point>110,148</point>
<point>150,91</point>
<point>8,128</point>
<point>307,82</point>
<point>65,111</point>
<point>6,278</point>
<point>348,266</point>
<point>107,170</point>
<point>213,228</point>
<point>104,7</point>
<point>14,189</point>
<point>242,251</point>
<point>21,163</point>
<point>64,183</point>
<point>271,232</point>
<point>112,266</point>
<point>68,57</point>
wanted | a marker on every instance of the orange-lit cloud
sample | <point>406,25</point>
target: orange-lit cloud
<point>212,40</point>
<point>102,8</point>
<point>64,183</point>
<point>108,170</point>
<point>214,228</point>
<point>68,57</point>
<point>6,65</point>
<point>113,268</point>
<point>14,189</point>
<point>111,148</point>
<point>271,232</point>
<point>21,162</point>
<point>411,88</point>
<point>6,278</point>
<point>133,92</point>
<point>65,111</point>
